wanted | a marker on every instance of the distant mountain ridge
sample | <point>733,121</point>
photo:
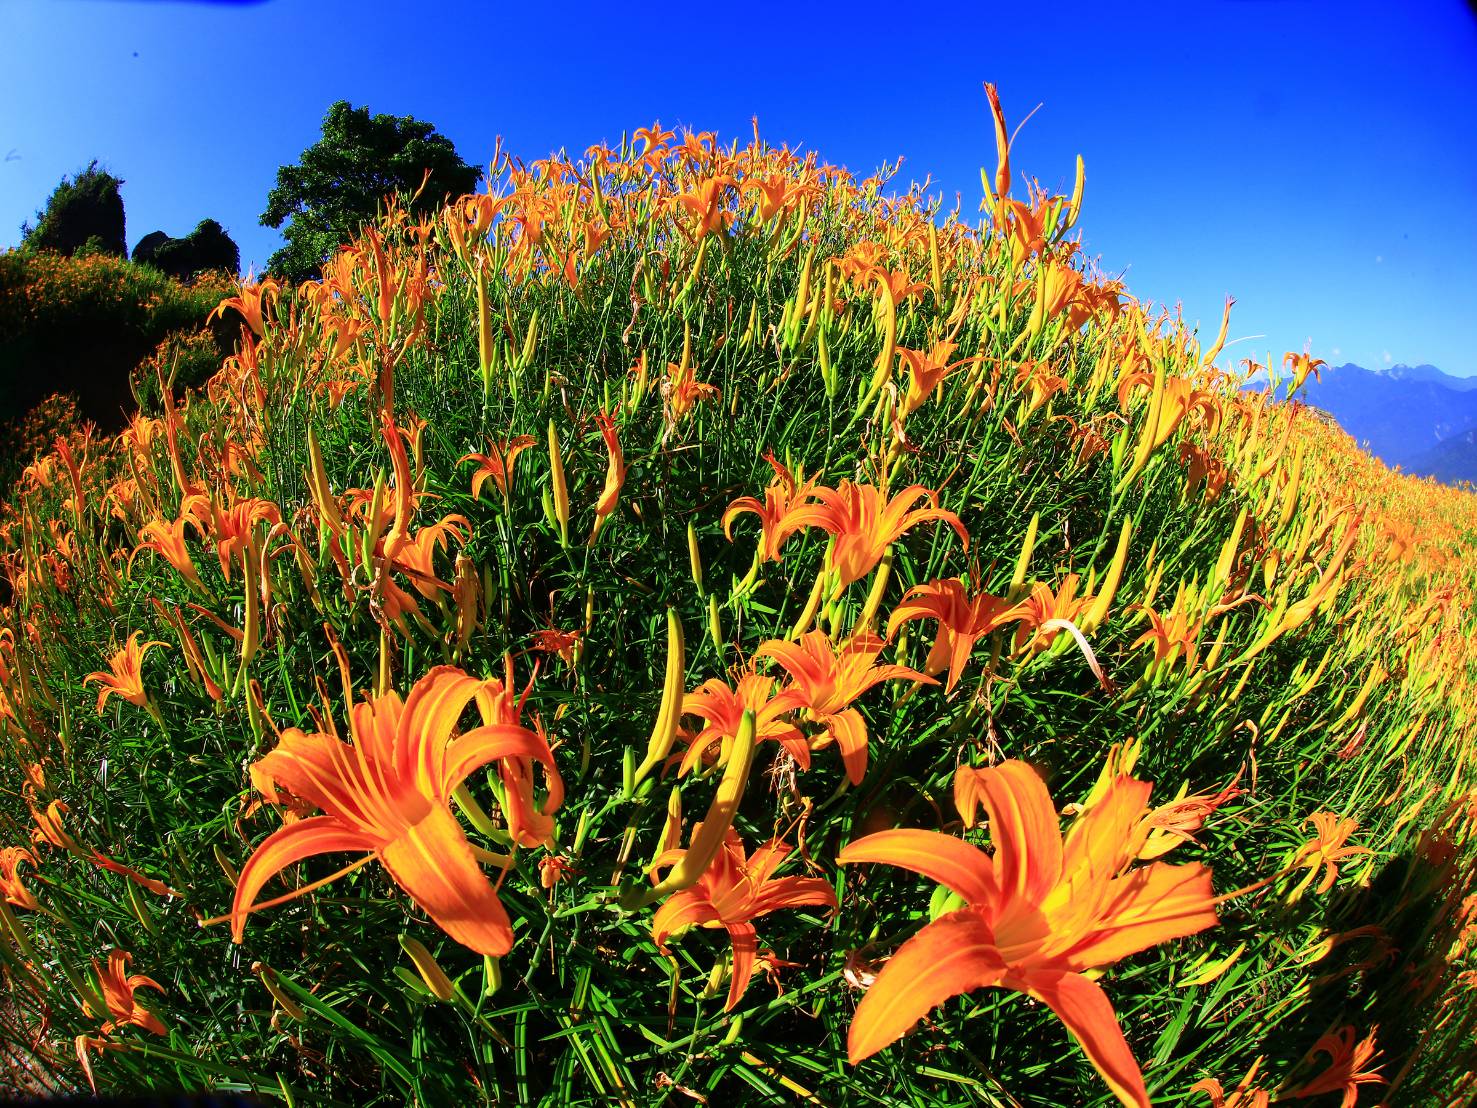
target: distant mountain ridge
<point>1414,417</point>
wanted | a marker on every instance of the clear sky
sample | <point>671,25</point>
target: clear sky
<point>1317,159</point>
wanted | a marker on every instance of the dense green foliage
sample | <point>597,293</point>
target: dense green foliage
<point>206,248</point>
<point>343,179</point>
<point>1275,619</point>
<point>83,214</point>
<point>88,325</point>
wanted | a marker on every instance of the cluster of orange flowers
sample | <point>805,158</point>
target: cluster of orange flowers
<point>1319,530</point>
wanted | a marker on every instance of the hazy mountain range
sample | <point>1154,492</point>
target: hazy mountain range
<point>1414,417</point>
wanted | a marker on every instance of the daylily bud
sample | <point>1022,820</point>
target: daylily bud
<point>664,731</point>
<point>429,969</point>
<point>561,490</point>
<point>694,559</point>
<point>708,835</point>
<point>1104,599</point>
<point>484,329</point>
<point>268,978</point>
<point>1002,145</point>
<point>1023,560</point>
<point>233,875</point>
<point>464,592</point>
<point>715,624</point>
<point>1075,207</point>
<point>530,339</point>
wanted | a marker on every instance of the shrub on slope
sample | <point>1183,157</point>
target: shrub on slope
<point>84,325</point>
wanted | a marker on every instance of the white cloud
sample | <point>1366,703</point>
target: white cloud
<point>1387,358</point>
<point>1379,258</point>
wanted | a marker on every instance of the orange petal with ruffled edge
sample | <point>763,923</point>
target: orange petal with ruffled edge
<point>954,954</point>
<point>687,908</point>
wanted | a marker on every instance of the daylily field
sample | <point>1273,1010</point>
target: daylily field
<point>693,625</point>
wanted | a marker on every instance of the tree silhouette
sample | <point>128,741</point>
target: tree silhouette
<point>82,214</point>
<point>341,180</point>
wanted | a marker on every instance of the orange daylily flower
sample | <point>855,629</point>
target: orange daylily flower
<point>562,644</point>
<point>497,464</point>
<point>123,1009</point>
<point>554,868</point>
<point>615,472</point>
<point>388,793</point>
<point>786,492</point>
<point>118,989</point>
<point>705,204</point>
<point>530,822</point>
<point>653,136</point>
<point>1025,227</point>
<point>125,675</point>
<point>168,539</point>
<point>864,523</point>
<point>49,829</point>
<point>1348,1066</point>
<point>682,390</point>
<point>733,891</point>
<point>777,193</point>
<point>1040,913</point>
<point>1302,365</point>
<point>1040,607</point>
<point>826,680</point>
<point>1062,292</point>
<point>1242,1096</point>
<point>250,301</point>
<point>231,526</point>
<point>722,710</point>
<point>962,620</point>
<point>1040,383</point>
<point>900,284</point>
<point>1325,851</point>
<point>1172,637</point>
<point>416,558</point>
<point>926,370</point>
<point>1175,823</point>
<point>11,886</point>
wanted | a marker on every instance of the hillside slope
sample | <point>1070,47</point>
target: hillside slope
<point>691,625</point>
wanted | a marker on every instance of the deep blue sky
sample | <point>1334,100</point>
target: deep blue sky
<point>1317,160</point>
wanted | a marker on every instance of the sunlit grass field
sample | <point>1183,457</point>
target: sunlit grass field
<point>692,625</point>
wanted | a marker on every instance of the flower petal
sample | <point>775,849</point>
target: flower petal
<point>681,910</point>
<point>952,862</point>
<point>745,944</point>
<point>433,862</point>
<point>432,710</point>
<point>792,892</point>
<point>952,955</point>
<point>1024,829</point>
<point>282,848</point>
<point>1084,1007</point>
<point>850,732</point>
<point>490,744</point>
<point>1149,906</point>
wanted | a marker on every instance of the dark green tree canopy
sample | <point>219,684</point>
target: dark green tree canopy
<point>84,212</point>
<point>207,247</point>
<point>342,179</point>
